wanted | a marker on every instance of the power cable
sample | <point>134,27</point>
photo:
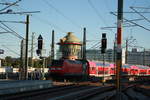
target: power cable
<point>98,43</point>
<point>140,14</point>
<point>97,12</point>
<point>10,50</point>
<point>142,7</point>
<point>19,36</point>
<point>5,29</point>
<point>10,5</point>
<point>134,2</point>
<point>59,12</point>
<point>49,23</point>
<point>133,22</point>
<point>46,22</point>
<point>106,5</point>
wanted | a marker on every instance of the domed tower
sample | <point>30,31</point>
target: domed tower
<point>70,46</point>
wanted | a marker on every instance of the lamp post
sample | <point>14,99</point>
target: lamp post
<point>128,43</point>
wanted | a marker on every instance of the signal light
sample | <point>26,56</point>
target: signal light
<point>40,42</point>
<point>103,43</point>
<point>40,45</point>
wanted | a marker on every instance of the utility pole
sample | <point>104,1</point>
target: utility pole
<point>32,63</point>
<point>144,56</point>
<point>26,52</point>
<point>52,46</point>
<point>84,44</point>
<point>114,53</point>
<point>119,47</point>
<point>22,60</point>
<point>114,58</point>
<point>115,41</point>
<point>126,55</point>
<point>43,73</point>
<point>84,53</point>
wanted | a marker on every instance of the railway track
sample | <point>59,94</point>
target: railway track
<point>82,92</point>
<point>67,92</point>
<point>131,92</point>
<point>27,95</point>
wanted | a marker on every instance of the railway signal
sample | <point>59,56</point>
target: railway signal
<point>103,43</point>
<point>40,42</point>
<point>40,45</point>
<point>103,51</point>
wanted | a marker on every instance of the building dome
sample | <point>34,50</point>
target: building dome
<point>70,46</point>
<point>71,38</point>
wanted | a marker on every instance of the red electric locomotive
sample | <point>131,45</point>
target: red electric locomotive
<point>68,69</point>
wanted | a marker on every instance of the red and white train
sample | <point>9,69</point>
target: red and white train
<point>77,69</point>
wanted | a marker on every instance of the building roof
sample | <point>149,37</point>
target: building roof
<point>70,38</point>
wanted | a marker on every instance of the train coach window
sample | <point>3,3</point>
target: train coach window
<point>126,66</point>
<point>107,64</point>
<point>74,62</point>
<point>101,64</point>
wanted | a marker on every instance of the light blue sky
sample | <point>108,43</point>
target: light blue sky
<point>72,15</point>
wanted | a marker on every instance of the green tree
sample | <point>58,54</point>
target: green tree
<point>16,63</point>
<point>8,61</point>
<point>38,64</point>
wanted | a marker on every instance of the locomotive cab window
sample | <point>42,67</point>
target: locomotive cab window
<point>57,63</point>
<point>93,68</point>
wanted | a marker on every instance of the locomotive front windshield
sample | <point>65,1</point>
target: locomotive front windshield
<point>57,63</point>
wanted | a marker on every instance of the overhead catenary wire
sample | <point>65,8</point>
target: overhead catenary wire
<point>95,45</point>
<point>116,26</point>
<point>62,14</point>
<point>5,29</point>
<point>13,21</point>
<point>7,3</point>
<point>49,23</point>
<point>4,32</point>
<point>134,2</point>
<point>44,21</point>
<point>142,7</point>
<point>107,5</point>
<point>131,12</point>
<point>13,32</point>
<point>132,22</point>
<point>139,19</point>
<point>8,31</point>
<point>21,13</point>
<point>10,5</point>
<point>140,14</point>
<point>10,50</point>
<point>97,12</point>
